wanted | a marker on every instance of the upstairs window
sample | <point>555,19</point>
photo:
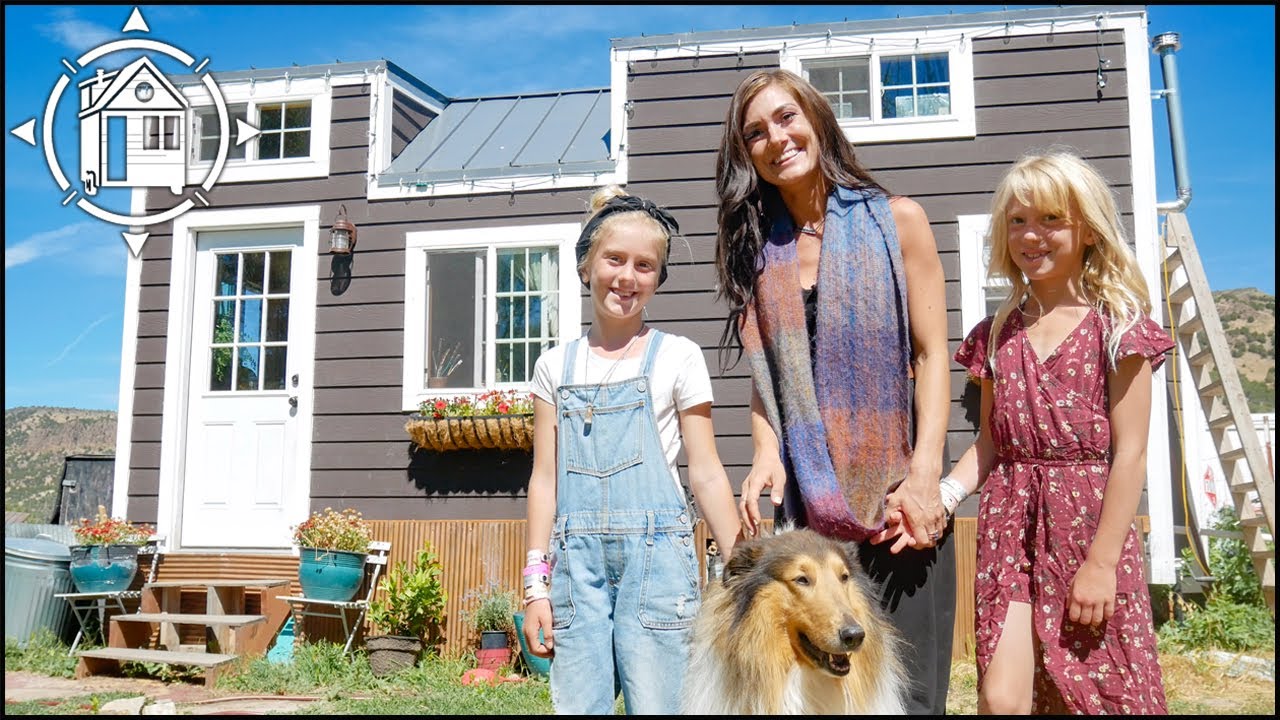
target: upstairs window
<point>284,131</point>
<point>207,132</point>
<point>893,89</point>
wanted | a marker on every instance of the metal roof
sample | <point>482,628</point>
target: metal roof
<point>548,133</point>
<point>853,27</point>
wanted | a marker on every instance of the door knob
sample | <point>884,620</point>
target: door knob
<point>293,401</point>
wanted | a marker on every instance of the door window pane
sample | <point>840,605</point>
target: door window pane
<point>250,330</point>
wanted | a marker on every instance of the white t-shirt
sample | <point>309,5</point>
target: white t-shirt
<point>678,381</point>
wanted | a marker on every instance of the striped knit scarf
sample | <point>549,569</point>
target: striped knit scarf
<point>842,422</point>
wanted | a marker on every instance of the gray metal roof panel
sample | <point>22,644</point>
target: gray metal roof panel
<point>510,136</point>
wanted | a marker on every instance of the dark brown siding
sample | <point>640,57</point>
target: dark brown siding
<point>1032,92</point>
<point>408,118</point>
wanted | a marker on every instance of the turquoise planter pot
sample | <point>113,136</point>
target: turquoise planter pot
<point>103,568</point>
<point>540,666</point>
<point>330,574</point>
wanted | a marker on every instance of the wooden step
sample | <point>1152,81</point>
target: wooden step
<point>218,582</point>
<point>1226,457</point>
<point>1222,422</point>
<point>1192,324</point>
<point>94,662</point>
<point>1180,294</point>
<point>193,619</point>
<point>1203,357</point>
<point>166,657</point>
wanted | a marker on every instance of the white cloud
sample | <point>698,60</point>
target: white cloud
<point>54,242</point>
<point>77,34</point>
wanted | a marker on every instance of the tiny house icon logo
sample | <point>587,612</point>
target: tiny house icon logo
<point>134,126</point>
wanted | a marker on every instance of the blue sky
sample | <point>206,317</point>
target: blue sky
<point>64,270</point>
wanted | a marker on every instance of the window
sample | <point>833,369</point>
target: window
<point>249,346</point>
<point>286,130</point>
<point>979,295</point>
<point>207,133</point>
<point>914,86</point>
<point>481,305</point>
<point>890,89</point>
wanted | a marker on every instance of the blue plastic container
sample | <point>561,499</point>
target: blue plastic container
<point>330,574</point>
<point>540,666</point>
<point>103,568</point>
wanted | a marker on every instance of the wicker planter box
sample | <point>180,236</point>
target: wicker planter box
<point>478,432</point>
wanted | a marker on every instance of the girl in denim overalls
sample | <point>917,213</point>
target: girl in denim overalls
<point>604,496</point>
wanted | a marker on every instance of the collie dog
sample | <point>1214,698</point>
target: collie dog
<point>793,627</point>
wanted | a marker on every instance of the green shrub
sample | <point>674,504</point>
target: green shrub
<point>44,653</point>
<point>1221,624</point>
<point>412,600</point>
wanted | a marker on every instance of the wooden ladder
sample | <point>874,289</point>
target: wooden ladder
<point>1204,348</point>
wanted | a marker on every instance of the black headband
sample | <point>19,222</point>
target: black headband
<point>628,203</point>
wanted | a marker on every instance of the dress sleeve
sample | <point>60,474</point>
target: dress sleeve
<point>1147,339</point>
<point>973,351</point>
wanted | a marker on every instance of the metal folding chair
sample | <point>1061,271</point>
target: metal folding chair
<point>374,562</point>
<point>86,605</point>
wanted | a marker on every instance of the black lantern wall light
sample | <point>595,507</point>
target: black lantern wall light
<point>342,235</point>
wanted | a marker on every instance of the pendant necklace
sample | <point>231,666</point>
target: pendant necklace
<point>591,406</point>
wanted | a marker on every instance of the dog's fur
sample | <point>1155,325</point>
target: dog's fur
<point>793,627</point>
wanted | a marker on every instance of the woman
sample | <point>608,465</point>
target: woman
<point>836,296</point>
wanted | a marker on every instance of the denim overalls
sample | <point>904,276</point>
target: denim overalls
<point>624,577</point>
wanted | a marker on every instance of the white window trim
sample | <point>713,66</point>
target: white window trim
<point>961,123</point>
<point>563,236</point>
<point>973,305</point>
<point>256,93</point>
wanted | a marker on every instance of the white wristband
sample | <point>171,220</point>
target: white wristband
<point>952,494</point>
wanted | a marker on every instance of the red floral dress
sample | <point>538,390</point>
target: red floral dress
<point>1039,510</point>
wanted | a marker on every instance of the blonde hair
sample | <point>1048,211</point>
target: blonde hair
<point>1062,183</point>
<point>599,199</point>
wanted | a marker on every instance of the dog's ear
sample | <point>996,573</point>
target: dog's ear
<point>744,558</point>
<point>850,550</point>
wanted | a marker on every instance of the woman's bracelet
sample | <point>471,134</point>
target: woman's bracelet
<point>952,494</point>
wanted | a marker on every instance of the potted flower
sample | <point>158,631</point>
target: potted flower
<point>493,618</point>
<point>332,547</point>
<point>105,558</point>
<point>497,419</point>
<point>408,611</point>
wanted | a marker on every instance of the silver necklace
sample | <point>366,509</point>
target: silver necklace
<point>591,406</point>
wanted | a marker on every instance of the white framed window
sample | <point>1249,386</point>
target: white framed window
<point>292,118</point>
<point>891,88</point>
<point>979,295</point>
<point>482,304</point>
<point>205,130</point>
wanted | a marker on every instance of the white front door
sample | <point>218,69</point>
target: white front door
<point>243,469</point>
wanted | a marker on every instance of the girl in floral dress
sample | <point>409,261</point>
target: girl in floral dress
<point>1063,615</point>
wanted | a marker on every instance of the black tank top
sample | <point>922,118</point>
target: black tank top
<point>811,321</point>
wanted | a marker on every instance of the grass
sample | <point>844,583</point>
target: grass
<point>348,687</point>
<point>1192,687</point>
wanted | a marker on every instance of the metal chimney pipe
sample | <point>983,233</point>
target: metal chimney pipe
<point>1165,45</point>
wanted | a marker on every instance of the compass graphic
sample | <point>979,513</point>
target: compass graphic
<point>134,130</point>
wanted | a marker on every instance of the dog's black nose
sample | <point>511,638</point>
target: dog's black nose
<point>851,636</point>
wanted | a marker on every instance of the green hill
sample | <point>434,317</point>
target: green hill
<point>36,442</point>
<point>1249,319</point>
